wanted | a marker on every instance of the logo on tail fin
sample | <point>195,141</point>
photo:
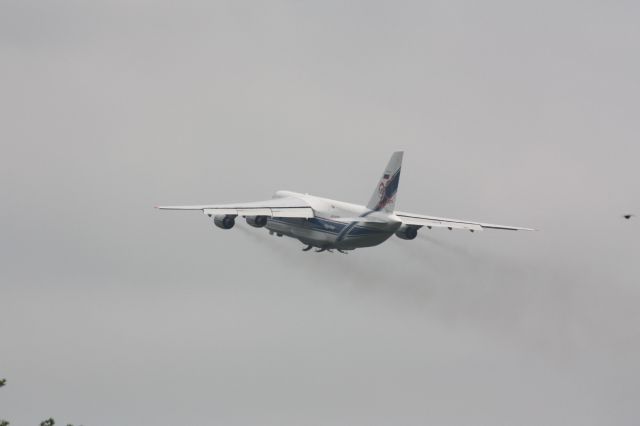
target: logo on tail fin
<point>384,194</point>
<point>387,190</point>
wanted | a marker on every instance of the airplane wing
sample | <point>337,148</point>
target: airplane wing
<point>276,207</point>
<point>441,222</point>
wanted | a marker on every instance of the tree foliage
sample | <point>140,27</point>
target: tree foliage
<point>48,422</point>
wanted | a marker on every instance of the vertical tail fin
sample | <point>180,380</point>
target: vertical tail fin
<point>384,196</point>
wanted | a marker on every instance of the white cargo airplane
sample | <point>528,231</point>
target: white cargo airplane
<point>329,224</point>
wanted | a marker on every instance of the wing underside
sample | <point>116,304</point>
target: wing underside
<point>441,222</point>
<point>277,207</point>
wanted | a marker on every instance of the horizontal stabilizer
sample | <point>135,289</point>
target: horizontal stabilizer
<point>361,219</point>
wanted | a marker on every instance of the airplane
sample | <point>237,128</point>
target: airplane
<point>326,224</point>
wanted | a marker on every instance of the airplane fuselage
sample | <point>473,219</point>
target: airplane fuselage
<point>332,226</point>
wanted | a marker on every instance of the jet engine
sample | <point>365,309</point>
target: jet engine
<point>257,221</point>
<point>407,232</point>
<point>224,221</point>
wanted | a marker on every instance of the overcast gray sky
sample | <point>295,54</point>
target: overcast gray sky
<point>523,113</point>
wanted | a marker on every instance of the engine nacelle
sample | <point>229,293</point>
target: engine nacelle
<point>257,221</point>
<point>407,232</point>
<point>224,221</point>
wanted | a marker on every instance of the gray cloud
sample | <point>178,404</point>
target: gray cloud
<point>509,113</point>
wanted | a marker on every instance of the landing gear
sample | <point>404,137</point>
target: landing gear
<point>321,249</point>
